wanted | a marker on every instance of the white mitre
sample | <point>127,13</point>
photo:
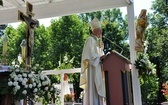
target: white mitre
<point>95,24</point>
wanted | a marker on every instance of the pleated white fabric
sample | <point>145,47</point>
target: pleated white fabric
<point>91,79</point>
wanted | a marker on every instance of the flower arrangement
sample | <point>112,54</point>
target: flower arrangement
<point>52,95</point>
<point>165,90</point>
<point>144,65</point>
<point>29,85</point>
<point>69,97</point>
<point>81,95</point>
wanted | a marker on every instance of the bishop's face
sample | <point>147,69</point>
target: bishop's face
<point>97,32</point>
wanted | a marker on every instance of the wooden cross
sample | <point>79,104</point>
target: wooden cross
<point>31,24</point>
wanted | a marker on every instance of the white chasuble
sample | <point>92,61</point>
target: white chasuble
<point>91,79</point>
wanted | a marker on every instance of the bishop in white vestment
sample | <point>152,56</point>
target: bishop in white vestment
<point>91,79</point>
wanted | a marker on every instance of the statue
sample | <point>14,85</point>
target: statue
<point>31,24</point>
<point>142,24</point>
<point>31,37</point>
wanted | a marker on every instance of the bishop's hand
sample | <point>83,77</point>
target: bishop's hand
<point>102,57</point>
<point>102,45</point>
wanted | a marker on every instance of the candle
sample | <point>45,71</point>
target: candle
<point>5,43</point>
<point>23,48</point>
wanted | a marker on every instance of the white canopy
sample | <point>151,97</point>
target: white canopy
<point>53,8</point>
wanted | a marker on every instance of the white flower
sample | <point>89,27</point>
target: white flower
<point>24,75</point>
<point>30,75</point>
<point>32,79</point>
<point>51,89</point>
<point>14,90</point>
<point>17,87</point>
<point>35,90</point>
<point>12,75</point>
<point>16,66</point>
<point>30,86</point>
<point>46,88</point>
<point>24,82</point>
<point>25,79</point>
<point>20,79</point>
<point>16,78</point>
<point>49,95</point>
<point>24,92</point>
<point>46,82</point>
<point>13,63</point>
<point>10,83</point>
<point>42,77</point>
<point>43,83</point>
<point>39,85</point>
<point>53,84</point>
<point>17,70</point>
<point>19,76</point>
<point>58,91</point>
<point>34,84</point>
<point>81,95</point>
<point>15,83</point>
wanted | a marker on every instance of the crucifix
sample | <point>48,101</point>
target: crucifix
<point>31,24</point>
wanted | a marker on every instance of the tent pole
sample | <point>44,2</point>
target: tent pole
<point>133,55</point>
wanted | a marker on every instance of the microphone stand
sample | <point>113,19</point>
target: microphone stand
<point>114,44</point>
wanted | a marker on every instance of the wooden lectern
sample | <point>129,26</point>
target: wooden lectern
<point>118,79</point>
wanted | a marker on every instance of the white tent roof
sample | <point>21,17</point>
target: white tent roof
<point>53,8</point>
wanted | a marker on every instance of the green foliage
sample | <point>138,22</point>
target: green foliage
<point>66,37</point>
<point>149,87</point>
<point>13,43</point>
<point>160,8</point>
<point>42,48</point>
<point>144,66</point>
<point>113,30</point>
<point>66,63</point>
<point>147,78</point>
<point>157,38</point>
<point>52,96</point>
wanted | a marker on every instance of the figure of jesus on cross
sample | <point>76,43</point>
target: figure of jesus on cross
<point>31,24</point>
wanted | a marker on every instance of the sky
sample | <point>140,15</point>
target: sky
<point>138,6</point>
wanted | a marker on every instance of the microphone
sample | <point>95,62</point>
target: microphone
<point>114,44</point>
